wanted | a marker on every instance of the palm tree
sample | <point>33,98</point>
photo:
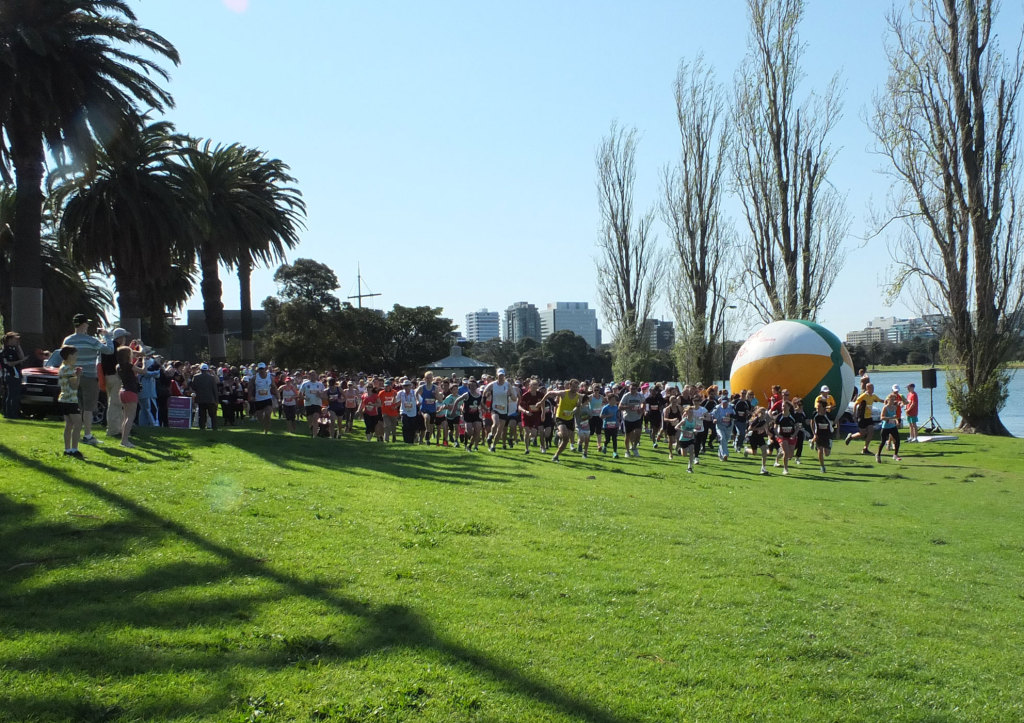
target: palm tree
<point>65,286</point>
<point>127,214</point>
<point>283,213</point>
<point>245,214</point>
<point>67,79</point>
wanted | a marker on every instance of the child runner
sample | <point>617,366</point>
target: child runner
<point>822,426</point>
<point>68,378</point>
<point>687,435</point>
<point>582,421</point>
<point>760,428</point>
<point>890,427</point>
<point>786,433</point>
<point>610,418</point>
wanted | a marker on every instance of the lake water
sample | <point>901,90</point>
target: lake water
<point>1012,414</point>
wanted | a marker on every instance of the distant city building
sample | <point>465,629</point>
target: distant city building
<point>661,334</point>
<point>574,316</point>
<point>482,325</point>
<point>189,339</point>
<point>522,321</point>
<point>894,330</point>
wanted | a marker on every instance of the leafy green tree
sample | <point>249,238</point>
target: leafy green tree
<point>418,335</point>
<point>303,324</point>
<point>69,76</point>
<point>125,215</point>
<point>497,352</point>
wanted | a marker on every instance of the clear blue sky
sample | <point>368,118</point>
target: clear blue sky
<point>448,147</point>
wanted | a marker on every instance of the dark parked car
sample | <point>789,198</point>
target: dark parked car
<point>39,392</point>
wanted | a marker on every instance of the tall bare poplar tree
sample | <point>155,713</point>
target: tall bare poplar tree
<point>948,123</point>
<point>781,161</point>
<point>629,266</point>
<point>692,211</point>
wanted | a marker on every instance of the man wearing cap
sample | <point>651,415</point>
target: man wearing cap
<point>826,397</point>
<point>261,395</point>
<point>89,348</point>
<point>112,382</point>
<point>500,394</point>
<point>13,358</point>
<point>205,393</point>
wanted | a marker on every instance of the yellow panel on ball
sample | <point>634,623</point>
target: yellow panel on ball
<point>799,373</point>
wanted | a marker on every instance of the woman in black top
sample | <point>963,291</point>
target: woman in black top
<point>129,367</point>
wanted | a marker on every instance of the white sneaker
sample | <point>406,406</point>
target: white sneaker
<point>797,460</point>
<point>785,470</point>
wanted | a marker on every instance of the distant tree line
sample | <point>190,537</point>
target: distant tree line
<point>308,326</point>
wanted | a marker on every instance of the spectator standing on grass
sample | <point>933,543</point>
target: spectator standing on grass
<point>89,348</point>
<point>912,412</point>
<point>147,397</point>
<point>68,378</point>
<point>13,359</point>
<point>206,393</point>
<point>129,367</point>
<point>112,382</point>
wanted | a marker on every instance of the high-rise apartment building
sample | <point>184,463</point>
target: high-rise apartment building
<point>661,334</point>
<point>522,321</point>
<point>574,316</point>
<point>482,325</point>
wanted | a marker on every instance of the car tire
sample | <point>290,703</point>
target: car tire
<point>99,416</point>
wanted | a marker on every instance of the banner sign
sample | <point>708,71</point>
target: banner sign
<point>179,412</point>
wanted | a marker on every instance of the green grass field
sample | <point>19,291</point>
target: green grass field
<point>237,577</point>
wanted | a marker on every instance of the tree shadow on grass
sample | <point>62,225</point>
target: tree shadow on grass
<point>355,456</point>
<point>91,610</point>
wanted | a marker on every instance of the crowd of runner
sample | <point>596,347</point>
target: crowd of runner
<point>554,418</point>
<point>574,417</point>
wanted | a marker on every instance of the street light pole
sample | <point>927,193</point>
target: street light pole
<point>725,320</point>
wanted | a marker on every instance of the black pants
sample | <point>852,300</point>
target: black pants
<point>161,409</point>
<point>410,425</point>
<point>613,436</point>
<point>208,410</point>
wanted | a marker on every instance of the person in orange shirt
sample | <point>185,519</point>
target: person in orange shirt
<point>389,410</point>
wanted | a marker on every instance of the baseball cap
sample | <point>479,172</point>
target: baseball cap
<point>204,367</point>
<point>119,332</point>
<point>261,365</point>
<point>825,389</point>
<point>79,319</point>
<point>501,371</point>
<point>895,387</point>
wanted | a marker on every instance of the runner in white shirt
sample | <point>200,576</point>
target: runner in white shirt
<point>500,393</point>
<point>312,391</point>
<point>409,404</point>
